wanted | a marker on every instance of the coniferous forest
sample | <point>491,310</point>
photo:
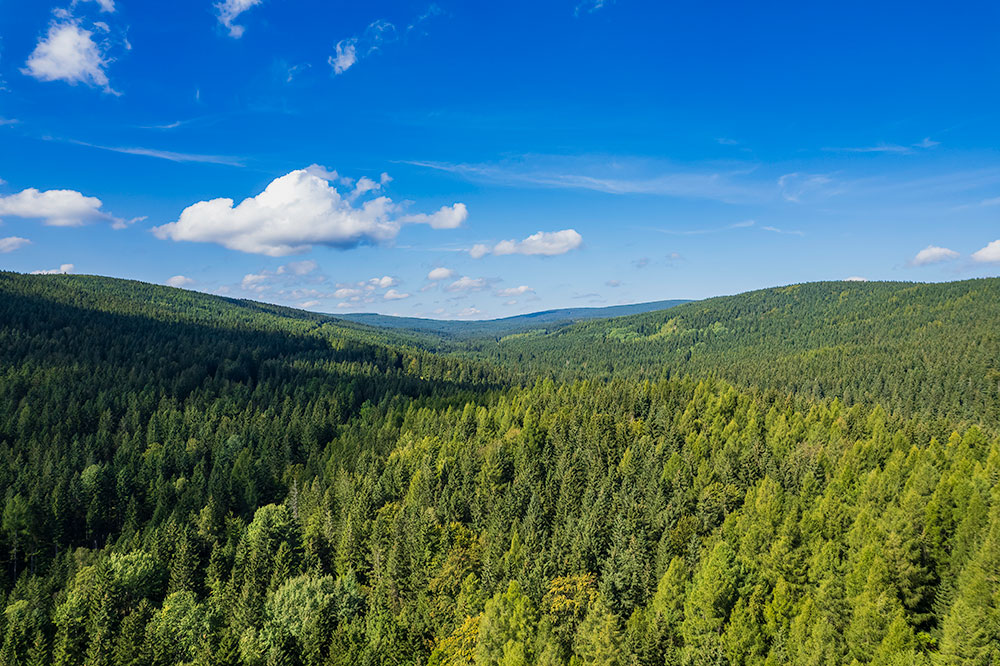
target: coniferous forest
<point>801,476</point>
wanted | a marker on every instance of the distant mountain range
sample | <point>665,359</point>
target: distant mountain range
<point>546,319</point>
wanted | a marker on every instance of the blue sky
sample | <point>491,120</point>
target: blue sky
<point>468,159</point>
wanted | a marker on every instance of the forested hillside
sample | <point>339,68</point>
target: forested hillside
<point>545,320</point>
<point>193,480</point>
<point>917,349</point>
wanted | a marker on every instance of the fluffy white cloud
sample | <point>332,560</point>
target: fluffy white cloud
<point>346,54</point>
<point>478,251</point>
<point>68,53</point>
<point>933,254</point>
<point>989,254</point>
<point>383,282</point>
<point>347,292</point>
<point>393,295</point>
<point>440,273</point>
<point>516,291</point>
<point>295,212</point>
<point>179,281</point>
<point>12,243</point>
<point>55,208</point>
<point>255,281</point>
<point>466,283</point>
<point>62,270</point>
<point>855,278</point>
<point>309,304</point>
<point>229,10</point>
<point>545,243</point>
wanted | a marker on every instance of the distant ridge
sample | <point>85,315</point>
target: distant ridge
<point>507,325</point>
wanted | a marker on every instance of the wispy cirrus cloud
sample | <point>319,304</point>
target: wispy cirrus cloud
<point>704,230</point>
<point>899,149</point>
<point>169,155</point>
<point>348,52</point>
<point>590,6</point>
<point>623,176</point>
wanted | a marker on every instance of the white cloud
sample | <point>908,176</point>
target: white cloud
<point>933,255</point>
<point>56,208</point>
<point>229,10</point>
<point>255,281</point>
<point>590,6</point>
<point>62,270</point>
<point>790,232</point>
<point>469,312</point>
<point>168,155</point>
<point>295,212</point>
<point>345,57</point>
<point>347,292</point>
<point>447,217</point>
<point>516,291</point>
<point>614,284</point>
<point>68,53</point>
<point>383,282</point>
<point>855,278</point>
<point>179,281</point>
<point>545,243</point>
<point>309,304</point>
<point>615,175</point>
<point>468,284</point>
<point>298,267</point>
<point>348,52</point>
<point>924,143</point>
<point>12,243</point>
<point>440,273</point>
<point>989,254</point>
<point>745,224</point>
<point>794,186</point>
<point>106,5</point>
<point>393,295</point>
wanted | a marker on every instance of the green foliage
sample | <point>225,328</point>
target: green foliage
<point>193,480</point>
<point>927,349</point>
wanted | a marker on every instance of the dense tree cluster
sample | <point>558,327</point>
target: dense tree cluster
<point>191,480</point>
<point>917,349</point>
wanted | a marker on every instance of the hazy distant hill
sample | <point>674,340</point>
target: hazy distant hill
<point>506,325</point>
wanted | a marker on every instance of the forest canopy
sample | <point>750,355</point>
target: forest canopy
<point>799,476</point>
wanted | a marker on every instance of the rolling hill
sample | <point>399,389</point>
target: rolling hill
<point>547,319</point>
<point>188,479</point>
<point>931,349</point>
